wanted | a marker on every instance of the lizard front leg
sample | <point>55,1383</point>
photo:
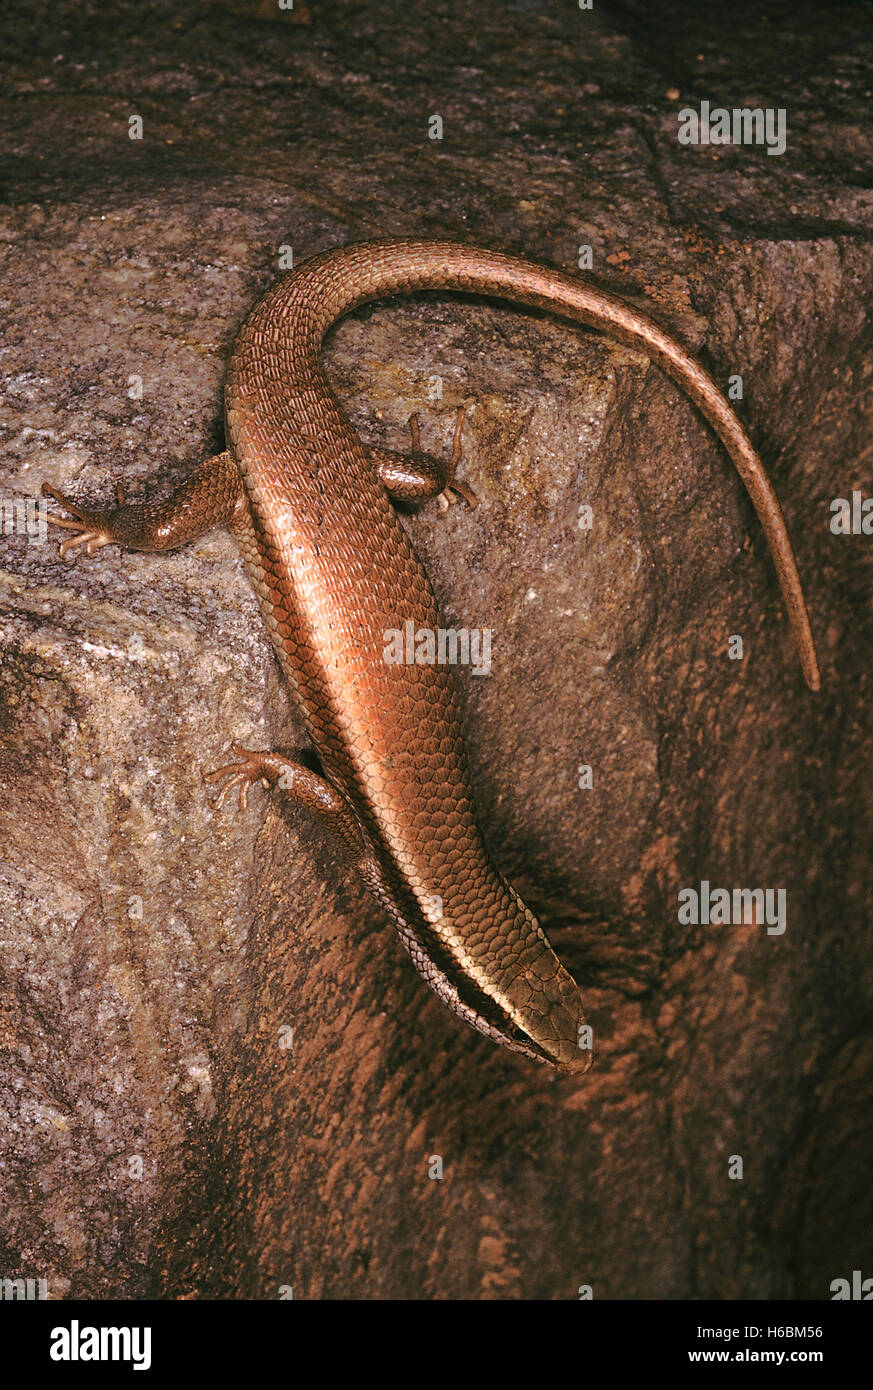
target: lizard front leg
<point>417,477</point>
<point>210,497</point>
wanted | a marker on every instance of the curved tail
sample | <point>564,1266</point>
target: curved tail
<point>339,280</point>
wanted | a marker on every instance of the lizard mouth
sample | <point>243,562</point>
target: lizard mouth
<point>563,1052</point>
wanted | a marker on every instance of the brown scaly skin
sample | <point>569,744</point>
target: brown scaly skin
<point>334,570</point>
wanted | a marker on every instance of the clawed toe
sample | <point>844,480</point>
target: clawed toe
<point>49,491</point>
<point>92,540</point>
<point>243,775</point>
<point>453,488</point>
<point>88,525</point>
<point>461,490</point>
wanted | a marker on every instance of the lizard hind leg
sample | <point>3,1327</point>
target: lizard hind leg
<point>292,776</point>
<point>417,477</point>
<point>318,795</point>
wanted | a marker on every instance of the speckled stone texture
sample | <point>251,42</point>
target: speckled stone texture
<point>220,1076</point>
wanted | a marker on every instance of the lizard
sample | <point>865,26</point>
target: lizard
<point>313,511</point>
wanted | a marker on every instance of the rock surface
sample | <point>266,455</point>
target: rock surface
<point>220,1076</point>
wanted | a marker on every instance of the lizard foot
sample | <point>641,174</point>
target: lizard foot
<point>256,766</point>
<point>93,528</point>
<point>453,488</point>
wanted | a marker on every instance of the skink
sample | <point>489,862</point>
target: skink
<point>334,570</point>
